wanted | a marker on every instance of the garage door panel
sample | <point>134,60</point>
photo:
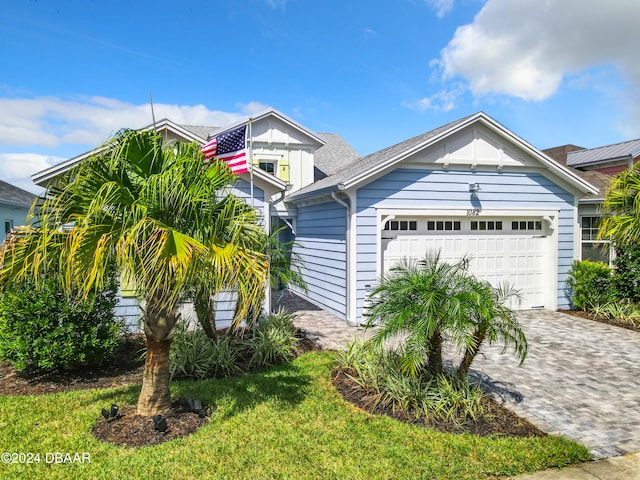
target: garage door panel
<point>519,260</point>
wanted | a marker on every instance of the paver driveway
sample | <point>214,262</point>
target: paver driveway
<point>580,378</point>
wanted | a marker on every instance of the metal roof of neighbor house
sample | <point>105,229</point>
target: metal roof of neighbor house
<point>617,151</point>
<point>12,195</point>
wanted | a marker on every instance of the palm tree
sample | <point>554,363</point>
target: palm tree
<point>162,216</point>
<point>621,206</point>
<point>419,300</point>
<point>492,320</point>
<point>427,302</point>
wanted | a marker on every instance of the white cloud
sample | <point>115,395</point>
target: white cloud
<point>526,48</point>
<point>17,168</point>
<point>441,7</point>
<point>49,123</point>
<point>442,101</point>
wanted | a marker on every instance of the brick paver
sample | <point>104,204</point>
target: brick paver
<point>580,379</point>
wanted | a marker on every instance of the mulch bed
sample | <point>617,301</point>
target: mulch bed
<point>602,319</point>
<point>496,421</point>
<point>132,430</point>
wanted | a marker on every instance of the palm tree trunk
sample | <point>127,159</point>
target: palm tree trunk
<point>471,352</point>
<point>155,397</point>
<point>435,354</point>
<point>206,314</point>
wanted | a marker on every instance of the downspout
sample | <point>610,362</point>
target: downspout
<point>267,227</point>
<point>349,274</point>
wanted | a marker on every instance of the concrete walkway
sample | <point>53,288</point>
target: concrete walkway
<point>580,379</point>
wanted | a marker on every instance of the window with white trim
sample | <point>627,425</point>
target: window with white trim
<point>443,225</point>
<point>8,226</point>
<point>591,248</point>
<point>526,225</point>
<point>401,225</point>
<point>484,225</point>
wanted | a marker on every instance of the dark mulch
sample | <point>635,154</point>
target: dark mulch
<point>132,430</point>
<point>603,319</point>
<point>496,420</point>
<point>124,369</point>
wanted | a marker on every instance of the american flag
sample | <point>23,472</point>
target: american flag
<point>229,147</point>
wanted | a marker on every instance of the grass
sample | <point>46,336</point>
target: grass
<point>283,423</point>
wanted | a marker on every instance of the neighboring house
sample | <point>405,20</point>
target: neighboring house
<point>471,187</point>
<point>596,166</point>
<point>14,207</point>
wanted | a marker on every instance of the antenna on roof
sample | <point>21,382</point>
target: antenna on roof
<point>153,115</point>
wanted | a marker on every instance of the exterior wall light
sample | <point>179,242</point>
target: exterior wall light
<point>474,187</point>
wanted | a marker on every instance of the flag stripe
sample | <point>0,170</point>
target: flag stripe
<point>229,147</point>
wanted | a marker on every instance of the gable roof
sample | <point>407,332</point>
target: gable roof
<point>14,196</point>
<point>334,155</point>
<point>365,168</point>
<point>617,151</point>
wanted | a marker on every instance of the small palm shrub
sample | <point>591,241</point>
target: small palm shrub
<point>590,284</point>
<point>43,328</point>
<point>195,355</point>
<point>378,372</point>
<point>273,340</point>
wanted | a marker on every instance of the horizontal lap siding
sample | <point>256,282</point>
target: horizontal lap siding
<point>128,308</point>
<point>321,248</point>
<point>417,188</point>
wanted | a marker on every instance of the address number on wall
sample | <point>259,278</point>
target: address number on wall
<point>473,212</point>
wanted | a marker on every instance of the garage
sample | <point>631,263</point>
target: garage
<point>515,249</point>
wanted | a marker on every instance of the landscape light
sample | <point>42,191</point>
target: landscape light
<point>159,423</point>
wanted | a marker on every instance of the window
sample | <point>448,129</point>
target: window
<point>269,167</point>
<point>483,225</point>
<point>592,248</point>
<point>527,225</point>
<point>8,226</point>
<point>402,225</point>
<point>443,225</point>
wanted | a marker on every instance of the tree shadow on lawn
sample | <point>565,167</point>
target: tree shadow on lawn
<point>286,385</point>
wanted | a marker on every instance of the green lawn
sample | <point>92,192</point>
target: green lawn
<point>284,423</point>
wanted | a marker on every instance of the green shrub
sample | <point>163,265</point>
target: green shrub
<point>42,328</point>
<point>193,354</point>
<point>626,275</point>
<point>273,341</point>
<point>379,372</point>
<point>590,284</point>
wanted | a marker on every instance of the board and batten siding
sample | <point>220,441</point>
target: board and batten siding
<point>128,306</point>
<point>320,245</point>
<point>448,189</point>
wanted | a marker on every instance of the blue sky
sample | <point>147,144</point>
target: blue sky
<point>76,71</point>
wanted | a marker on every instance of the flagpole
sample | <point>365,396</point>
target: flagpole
<point>251,158</point>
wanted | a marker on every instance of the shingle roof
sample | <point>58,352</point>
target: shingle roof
<point>616,151</point>
<point>201,131</point>
<point>334,155</point>
<point>14,195</point>
<point>373,161</point>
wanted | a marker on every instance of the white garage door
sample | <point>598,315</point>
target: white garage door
<point>511,250</point>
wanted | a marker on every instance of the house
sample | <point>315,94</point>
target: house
<point>597,166</point>
<point>14,207</point>
<point>471,187</point>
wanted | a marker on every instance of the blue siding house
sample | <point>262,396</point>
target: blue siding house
<point>14,207</point>
<point>470,188</point>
